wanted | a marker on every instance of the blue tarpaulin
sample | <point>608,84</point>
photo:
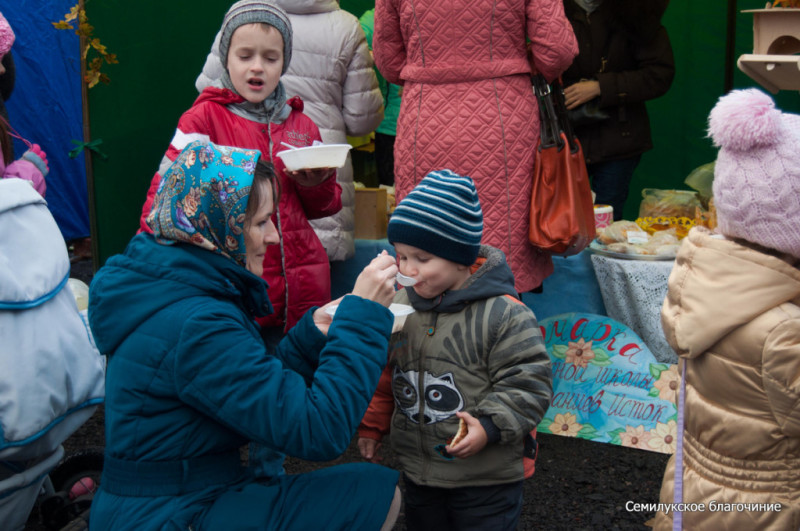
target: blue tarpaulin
<point>46,105</point>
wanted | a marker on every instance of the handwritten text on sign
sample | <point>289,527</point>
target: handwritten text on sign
<point>607,386</point>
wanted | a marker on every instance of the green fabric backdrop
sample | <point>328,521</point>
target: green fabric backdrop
<point>698,34</point>
<point>162,45</point>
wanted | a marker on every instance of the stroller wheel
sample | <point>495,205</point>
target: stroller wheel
<point>74,481</point>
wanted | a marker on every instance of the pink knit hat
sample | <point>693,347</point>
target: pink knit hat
<point>757,173</point>
<point>6,36</point>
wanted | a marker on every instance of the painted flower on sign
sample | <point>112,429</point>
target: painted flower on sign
<point>668,383</point>
<point>565,424</point>
<point>635,437</point>
<point>580,353</point>
<point>662,437</point>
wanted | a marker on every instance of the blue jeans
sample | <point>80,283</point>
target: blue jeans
<point>611,180</point>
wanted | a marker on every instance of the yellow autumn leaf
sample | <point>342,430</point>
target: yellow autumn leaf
<point>97,46</point>
<point>85,29</point>
<point>73,13</point>
<point>62,25</point>
<point>111,58</point>
<point>92,77</point>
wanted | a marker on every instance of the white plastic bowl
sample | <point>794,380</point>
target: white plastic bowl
<point>311,157</point>
<point>400,312</point>
<point>80,291</point>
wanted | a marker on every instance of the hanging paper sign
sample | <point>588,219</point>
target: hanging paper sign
<point>607,385</point>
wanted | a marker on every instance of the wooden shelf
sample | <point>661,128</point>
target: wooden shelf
<point>776,40</point>
<point>773,72</point>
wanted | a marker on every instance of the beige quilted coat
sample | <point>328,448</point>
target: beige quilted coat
<point>733,314</point>
<point>468,104</point>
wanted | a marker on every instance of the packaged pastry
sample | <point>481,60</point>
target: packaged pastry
<point>668,203</point>
<point>617,231</point>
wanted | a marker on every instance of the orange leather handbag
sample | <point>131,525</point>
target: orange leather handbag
<point>562,214</point>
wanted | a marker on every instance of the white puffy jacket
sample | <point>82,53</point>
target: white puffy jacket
<point>331,70</point>
<point>51,376</point>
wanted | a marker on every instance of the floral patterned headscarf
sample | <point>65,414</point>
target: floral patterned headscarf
<point>202,199</point>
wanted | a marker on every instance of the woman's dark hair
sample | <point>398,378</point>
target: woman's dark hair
<point>6,147</point>
<point>263,174</point>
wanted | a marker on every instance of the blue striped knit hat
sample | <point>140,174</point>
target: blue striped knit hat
<point>442,215</point>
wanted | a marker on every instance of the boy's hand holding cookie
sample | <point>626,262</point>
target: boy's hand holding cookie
<point>470,443</point>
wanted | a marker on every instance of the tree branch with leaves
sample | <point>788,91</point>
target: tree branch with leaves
<point>78,21</point>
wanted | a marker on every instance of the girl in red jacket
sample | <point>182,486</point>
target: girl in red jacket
<point>248,109</point>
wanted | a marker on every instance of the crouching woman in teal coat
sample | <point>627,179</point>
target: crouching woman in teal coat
<point>190,381</point>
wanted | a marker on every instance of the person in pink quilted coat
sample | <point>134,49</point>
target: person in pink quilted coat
<point>468,104</point>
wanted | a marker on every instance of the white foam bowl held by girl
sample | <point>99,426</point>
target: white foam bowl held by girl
<point>317,156</point>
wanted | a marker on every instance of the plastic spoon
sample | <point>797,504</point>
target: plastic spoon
<point>404,280</point>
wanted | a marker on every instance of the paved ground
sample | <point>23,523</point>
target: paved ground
<point>578,484</point>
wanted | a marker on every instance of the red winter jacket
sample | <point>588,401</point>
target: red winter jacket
<point>305,267</point>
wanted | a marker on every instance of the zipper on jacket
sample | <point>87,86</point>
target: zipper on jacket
<point>423,450</point>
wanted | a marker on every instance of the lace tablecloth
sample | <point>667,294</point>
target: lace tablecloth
<point>633,292</point>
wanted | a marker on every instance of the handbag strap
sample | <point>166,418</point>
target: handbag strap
<point>563,117</point>
<point>550,129</point>
<point>553,116</point>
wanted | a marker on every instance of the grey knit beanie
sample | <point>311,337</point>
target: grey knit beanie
<point>256,12</point>
<point>441,215</point>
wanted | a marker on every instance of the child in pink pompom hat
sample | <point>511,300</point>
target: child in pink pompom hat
<point>32,166</point>
<point>6,37</point>
<point>732,314</point>
<point>757,173</point>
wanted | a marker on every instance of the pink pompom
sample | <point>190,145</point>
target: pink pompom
<point>6,36</point>
<point>744,119</point>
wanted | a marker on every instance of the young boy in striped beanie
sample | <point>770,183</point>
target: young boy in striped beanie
<point>470,356</point>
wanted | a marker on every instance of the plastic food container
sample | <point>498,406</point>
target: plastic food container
<point>311,157</point>
<point>400,312</point>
